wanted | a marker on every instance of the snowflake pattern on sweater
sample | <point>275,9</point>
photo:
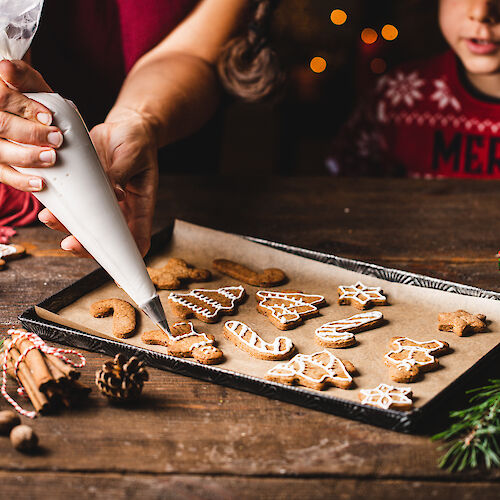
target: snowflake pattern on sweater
<point>421,121</point>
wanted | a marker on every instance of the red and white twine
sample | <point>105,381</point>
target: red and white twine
<point>37,343</point>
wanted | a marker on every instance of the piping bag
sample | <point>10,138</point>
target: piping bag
<point>77,190</point>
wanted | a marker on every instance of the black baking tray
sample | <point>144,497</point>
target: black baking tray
<point>408,422</point>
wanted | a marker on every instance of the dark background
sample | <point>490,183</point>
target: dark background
<point>291,137</point>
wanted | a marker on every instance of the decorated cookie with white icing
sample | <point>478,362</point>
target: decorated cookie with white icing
<point>288,309</point>
<point>250,341</point>
<point>10,252</point>
<point>205,304</point>
<point>387,397</point>
<point>315,371</point>
<point>186,342</point>
<point>361,296</point>
<point>340,333</point>
<point>408,358</point>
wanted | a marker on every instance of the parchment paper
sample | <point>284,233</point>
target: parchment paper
<point>412,312</point>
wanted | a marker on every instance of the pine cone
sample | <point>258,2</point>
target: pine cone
<point>121,380</point>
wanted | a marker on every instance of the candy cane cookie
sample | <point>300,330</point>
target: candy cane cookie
<point>248,340</point>
<point>340,333</point>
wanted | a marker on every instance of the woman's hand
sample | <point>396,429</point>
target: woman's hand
<point>127,148</point>
<point>27,123</point>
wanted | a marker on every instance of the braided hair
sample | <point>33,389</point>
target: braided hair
<point>248,67</point>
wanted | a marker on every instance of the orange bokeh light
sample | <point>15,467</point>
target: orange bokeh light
<point>369,36</point>
<point>318,64</point>
<point>378,65</point>
<point>390,32</point>
<point>338,16</point>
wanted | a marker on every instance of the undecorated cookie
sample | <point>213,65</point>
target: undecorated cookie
<point>461,322</point>
<point>175,273</point>
<point>123,315</point>
<point>267,277</point>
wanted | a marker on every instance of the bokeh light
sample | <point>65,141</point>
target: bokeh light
<point>318,64</point>
<point>390,32</point>
<point>378,65</point>
<point>369,36</point>
<point>338,16</point>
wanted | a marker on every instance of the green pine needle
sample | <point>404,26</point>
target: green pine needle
<point>474,438</point>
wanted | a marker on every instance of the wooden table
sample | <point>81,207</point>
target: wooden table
<point>192,439</point>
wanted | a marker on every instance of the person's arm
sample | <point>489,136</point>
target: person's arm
<point>174,86</point>
<point>169,93</point>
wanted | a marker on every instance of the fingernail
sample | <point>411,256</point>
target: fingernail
<point>36,184</point>
<point>44,118</point>
<point>48,156</point>
<point>55,138</point>
<point>65,245</point>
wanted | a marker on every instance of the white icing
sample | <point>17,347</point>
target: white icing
<point>255,342</point>
<point>232,293</point>
<point>204,342</point>
<point>77,191</point>
<point>340,329</point>
<point>385,396</point>
<point>297,365</point>
<point>361,293</point>
<point>6,250</point>
<point>287,312</point>
<point>410,351</point>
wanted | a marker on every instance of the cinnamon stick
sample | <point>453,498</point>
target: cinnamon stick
<point>38,399</point>
<point>68,370</point>
<point>35,363</point>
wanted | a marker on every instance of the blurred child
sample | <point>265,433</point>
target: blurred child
<point>438,117</point>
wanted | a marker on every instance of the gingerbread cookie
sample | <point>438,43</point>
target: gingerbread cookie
<point>408,358</point>
<point>207,305</point>
<point>10,252</point>
<point>268,277</point>
<point>245,338</point>
<point>123,315</point>
<point>288,308</point>
<point>185,342</point>
<point>315,371</point>
<point>461,322</point>
<point>340,333</point>
<point>387,397</point>
<point>175,273</point>
<point>361,296</point>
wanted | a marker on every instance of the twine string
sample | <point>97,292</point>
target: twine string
<point>37,343</point>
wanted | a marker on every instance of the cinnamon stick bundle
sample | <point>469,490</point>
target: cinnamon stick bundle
<point>48,381</point>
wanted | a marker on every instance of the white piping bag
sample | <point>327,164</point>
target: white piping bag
<point>77,190</point>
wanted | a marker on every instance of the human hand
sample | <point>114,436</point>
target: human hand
<point>127,148</point>
<point>27,123</point>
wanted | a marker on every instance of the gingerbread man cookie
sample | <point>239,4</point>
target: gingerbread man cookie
<point>267,277</point>
<point>245,338</point>
<point>175,273</point>
<point>10,252</point>
<point>408,357</point>
<point>461,322</point>
<point>361,296</point>
<point>340,333</point>
<point>185,342</point>
<point>288,309</point>
<point>207,305</point>
<point>387,397</point>
<point>123,315</point>
<point>315,371</point>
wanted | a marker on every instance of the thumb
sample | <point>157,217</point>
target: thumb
<point>22,77</point>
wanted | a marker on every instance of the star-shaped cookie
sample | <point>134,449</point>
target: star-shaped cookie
<point>387,397</point>
<point>461,322</point>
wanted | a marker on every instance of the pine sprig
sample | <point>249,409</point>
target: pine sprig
<point>475,438</point>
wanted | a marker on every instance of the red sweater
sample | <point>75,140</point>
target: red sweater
<point>421,120</point>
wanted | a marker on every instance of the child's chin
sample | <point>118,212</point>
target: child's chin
<point>482,65</point>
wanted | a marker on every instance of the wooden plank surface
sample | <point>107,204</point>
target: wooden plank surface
<point>186,433</point>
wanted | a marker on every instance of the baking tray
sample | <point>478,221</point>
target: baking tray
<point>408,422</point>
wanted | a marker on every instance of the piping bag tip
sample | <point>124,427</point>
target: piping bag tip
<point>154,310</point>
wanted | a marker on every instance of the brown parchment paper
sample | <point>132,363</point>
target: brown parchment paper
<point>412,312</point>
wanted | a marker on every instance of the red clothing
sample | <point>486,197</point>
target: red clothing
<point>84,49</point>
<point>421,121</point>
